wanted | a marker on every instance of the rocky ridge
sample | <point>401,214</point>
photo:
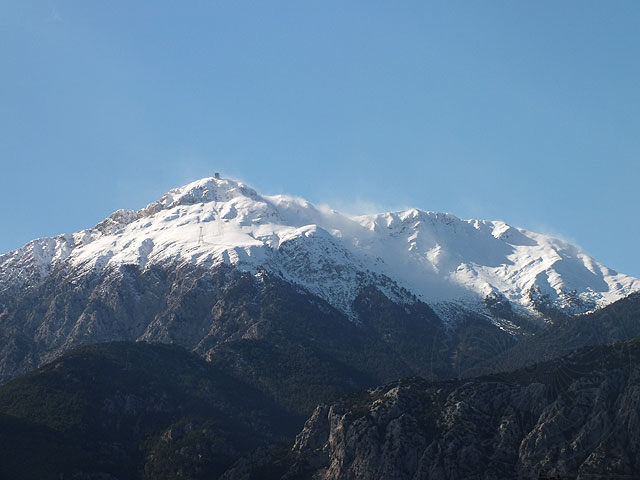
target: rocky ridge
<point>574,417</point>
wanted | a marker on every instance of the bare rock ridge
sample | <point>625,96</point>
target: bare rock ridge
<point>575,417</point>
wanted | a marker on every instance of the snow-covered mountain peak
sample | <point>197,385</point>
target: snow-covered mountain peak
<point>205,190</point>
<point>435,256</point>
<point>209,189</point>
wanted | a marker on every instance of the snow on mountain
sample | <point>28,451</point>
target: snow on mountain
<point>435,256</point>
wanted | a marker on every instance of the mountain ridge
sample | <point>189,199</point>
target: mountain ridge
<point>148,410</point>
<point>573,417</point>
<point>434,256</point>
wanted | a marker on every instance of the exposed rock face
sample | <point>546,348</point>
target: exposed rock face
<point>266,329</point>
<point>223,312</point>
<point>574,416</point>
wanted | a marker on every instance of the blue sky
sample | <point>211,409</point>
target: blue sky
<point>527,112</point>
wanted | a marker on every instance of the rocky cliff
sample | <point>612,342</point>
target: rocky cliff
<point>576,417</point>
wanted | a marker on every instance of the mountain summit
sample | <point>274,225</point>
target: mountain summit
<point>437,258</point>
<point>214,266</point>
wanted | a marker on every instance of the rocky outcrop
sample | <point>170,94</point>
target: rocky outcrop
<point>576,417</point>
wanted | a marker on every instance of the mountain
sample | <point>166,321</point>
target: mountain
<point>214,266</point>
<point>273,306</point>
<point>130,411</point>
<point>435,256</point>
<point>126,410</point>
<point>614,323</point>
<point>574,417</point>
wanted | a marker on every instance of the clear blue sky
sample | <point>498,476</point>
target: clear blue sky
<point>528,112</point>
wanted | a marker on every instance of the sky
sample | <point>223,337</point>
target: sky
<point>527,112</point>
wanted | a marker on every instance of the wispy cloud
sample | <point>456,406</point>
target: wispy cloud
<point>551,231</point>
<point>361,206</point>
